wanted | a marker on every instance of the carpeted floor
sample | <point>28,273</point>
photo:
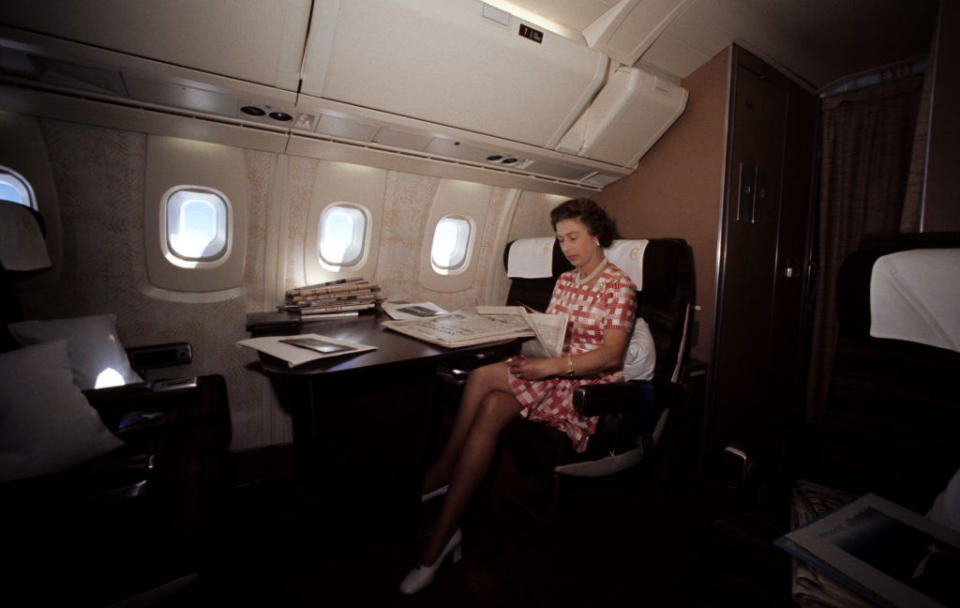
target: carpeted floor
<point>623,540</point>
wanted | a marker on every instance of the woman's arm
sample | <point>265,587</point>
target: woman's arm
<point>608,355</point>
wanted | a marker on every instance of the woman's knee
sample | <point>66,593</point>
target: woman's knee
<point>490,377</point>
<point>496,410</point>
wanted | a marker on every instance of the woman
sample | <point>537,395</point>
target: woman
<point>599,301</point>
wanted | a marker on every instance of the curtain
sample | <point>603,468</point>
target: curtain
<point>912,214</point>
<point>866,144</point>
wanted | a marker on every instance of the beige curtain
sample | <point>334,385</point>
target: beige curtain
<point>867,137</point>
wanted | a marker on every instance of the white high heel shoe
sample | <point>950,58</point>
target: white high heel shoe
<point>421,576</point>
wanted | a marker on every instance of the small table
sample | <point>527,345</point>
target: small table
<point>362,423</point>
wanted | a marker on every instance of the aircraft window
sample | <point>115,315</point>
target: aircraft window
<point>450,240</point>
<point>16,189</point>
<point>197,220</point>
<point>342,231</point>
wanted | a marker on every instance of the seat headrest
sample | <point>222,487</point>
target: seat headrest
<point>627,255</point>
<point>530,258</point>
<point>22,246</point>
<point>913,296</point>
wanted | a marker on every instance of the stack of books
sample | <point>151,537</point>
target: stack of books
<point>334,298</point>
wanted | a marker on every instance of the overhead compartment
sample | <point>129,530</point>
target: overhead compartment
<point>454,89</point>
<point>257,41</point>
<point>459,63</point>
<point>629,115</point>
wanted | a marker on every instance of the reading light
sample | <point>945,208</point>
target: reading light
<point>252,110</point>
<point>280,116</point>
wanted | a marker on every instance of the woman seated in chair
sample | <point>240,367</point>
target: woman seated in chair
<point>600,303</point>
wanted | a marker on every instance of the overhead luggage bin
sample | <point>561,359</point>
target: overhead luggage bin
<point>629,115</point>
<point>458,63</point>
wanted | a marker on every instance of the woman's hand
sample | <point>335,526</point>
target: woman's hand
<point>533,369</point>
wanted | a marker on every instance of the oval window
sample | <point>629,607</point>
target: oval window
<point>197,223</point>
<point>450,240</point>
<point>342,232</point>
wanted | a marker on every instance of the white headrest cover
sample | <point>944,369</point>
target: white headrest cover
<point>531,258</point>
<point>627,255</point>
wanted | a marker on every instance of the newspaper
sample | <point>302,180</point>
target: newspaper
<point>550,330</point>
<point>886,553</point>
<point>461,328</point>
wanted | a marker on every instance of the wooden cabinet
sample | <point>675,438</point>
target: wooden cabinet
<point>758,366</point>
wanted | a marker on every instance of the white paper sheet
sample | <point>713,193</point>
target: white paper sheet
<point>295,355</point>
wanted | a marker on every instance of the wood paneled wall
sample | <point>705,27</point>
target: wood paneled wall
<point>677,189</point>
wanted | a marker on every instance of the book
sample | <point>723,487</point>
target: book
<point>319,345</point>
<point>311,317</point>
<point>412,310</point>
<point>460,328</point>
<point>325,285</point>
<point>272,321</point>
<point>886,553</point>
<point>327,308</point>
<point>342,288</point>
<point>305,348</point>
<point>549,330</point>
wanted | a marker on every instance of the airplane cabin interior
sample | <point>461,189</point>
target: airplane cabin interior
<point>257,257</point>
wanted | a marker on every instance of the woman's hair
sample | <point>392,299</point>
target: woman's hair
<point>598,223</point>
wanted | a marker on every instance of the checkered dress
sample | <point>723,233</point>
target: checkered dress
<point>609,304</point>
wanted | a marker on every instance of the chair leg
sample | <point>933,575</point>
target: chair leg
<point>555,503</point>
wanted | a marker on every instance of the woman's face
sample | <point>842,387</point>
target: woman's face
<point>576,242</point>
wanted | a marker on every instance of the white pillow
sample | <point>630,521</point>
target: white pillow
<point>641,357</point>
<point>92,343</point>
<point>46,424</point>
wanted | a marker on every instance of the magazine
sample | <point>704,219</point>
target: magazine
<point>888,554</point>
<point>303,348</point>
<point>412,310</point>
<point>550,330</point>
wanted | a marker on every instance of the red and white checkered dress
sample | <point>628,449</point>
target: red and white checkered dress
<point>609,304</point>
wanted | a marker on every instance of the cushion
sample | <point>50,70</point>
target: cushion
<point>46,424</point>
<point>92,343</point>
<point>641,357</point>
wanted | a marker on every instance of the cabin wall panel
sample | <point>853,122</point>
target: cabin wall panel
<point>677,189</point>
<point>100,176</point>
<point>532,216</point>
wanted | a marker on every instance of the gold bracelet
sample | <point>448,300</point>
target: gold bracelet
<point>569,366</point>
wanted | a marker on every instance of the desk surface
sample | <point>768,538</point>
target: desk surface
<point>392,347</point>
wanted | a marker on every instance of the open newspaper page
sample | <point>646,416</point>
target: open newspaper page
<point>550,330</point>
<point>463,328</point>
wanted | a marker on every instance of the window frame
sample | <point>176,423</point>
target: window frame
<point>364,235</point>
<point>465,248</point>
<point>21,184</point>
<point>175,257</point>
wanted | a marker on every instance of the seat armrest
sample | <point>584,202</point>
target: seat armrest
<point>643,400</point>
<point>614,398</point>
<point>112,478</point>
<point>116,402</point>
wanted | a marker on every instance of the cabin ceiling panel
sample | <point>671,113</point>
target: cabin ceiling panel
<point>818,42</point>
<point>202,35</point>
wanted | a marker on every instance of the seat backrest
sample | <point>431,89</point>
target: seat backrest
<point>663,302</point>
<point>22,251</point>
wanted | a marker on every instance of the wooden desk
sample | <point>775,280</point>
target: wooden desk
<point>364,424</point>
